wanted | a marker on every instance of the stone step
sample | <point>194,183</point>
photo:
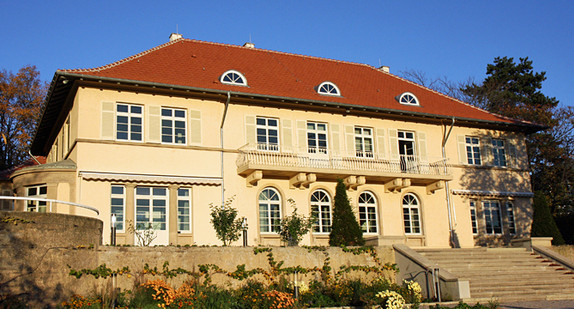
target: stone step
<point>505,268</point>
<point>549,288</point>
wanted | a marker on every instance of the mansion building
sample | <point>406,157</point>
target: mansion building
<point>158,137</point>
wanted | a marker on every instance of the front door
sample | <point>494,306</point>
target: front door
<point>151,216</point>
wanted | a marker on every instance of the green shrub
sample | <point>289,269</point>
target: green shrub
<point>543,224</point>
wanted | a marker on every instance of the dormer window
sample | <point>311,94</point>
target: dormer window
<point>328,88</point>
<point>233,77</point>
<point>408,98</point>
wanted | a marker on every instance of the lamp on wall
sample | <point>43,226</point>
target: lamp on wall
<point>244,225</point>
<point>113,236</point>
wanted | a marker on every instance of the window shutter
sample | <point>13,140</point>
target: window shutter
<point>381,143</point>
<point>462,156</point>
<point>195,127</point>
<point>422,151</point>
<point>250,131</point>
<point>512,153</point>
<point>335,138</point>
<point>350,138</point>
<point>486,150</point>
<point>394,144</point>
<point>108,120</point>
<point>154,124</point>
<point>287,126</point>
<point>302,135</point>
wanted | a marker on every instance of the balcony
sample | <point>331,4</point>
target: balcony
<point>257,161</point>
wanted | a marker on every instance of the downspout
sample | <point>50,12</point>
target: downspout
<point>446,135</point>
<point>33,157</point>
<point>221,143</point>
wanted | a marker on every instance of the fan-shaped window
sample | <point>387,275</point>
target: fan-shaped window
<point>328,88</point>
<point>408,98</point>
<point>368,212</point>
<point>269,210</point>
<point>233,77</point>
<point>321,209</point>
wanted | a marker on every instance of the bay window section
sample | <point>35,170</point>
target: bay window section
<point>151,208</point>
<point>118,203</point>
<point>183,210</point>
<point>492,219</point>
<point>38,191</point>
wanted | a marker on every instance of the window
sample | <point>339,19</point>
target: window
<point>510,216</point>
<point>491,210</point>
<point>233,77</point>
<point>408,98</point>
<point>39,191</point>
<point>151,208</point>
<point>408,159</point>
<point>328,88</point>
<point>118,203</point>
<point>368,212</point>
<point>129,122</point>
<point>267,134</point>
<point>411,214</point>
<point>316,137</point>
<point>269,210</point>
<point>183,210</point>
<point>173,126</point>
<point>321,209</point>
<point>498,152</point>
<point>473,150</point>
<point>473,221</point>
<point>364,142</point>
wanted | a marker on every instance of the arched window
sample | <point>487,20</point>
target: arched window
<point>411,214</point>
<point>368,212</point>
<point>233,77</point>
<point>328,88</point>
<point>408,98</point>
<point>321,209</point>
<point>269,210</point>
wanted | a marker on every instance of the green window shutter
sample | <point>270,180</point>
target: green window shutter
<point>250,131</point>
<point>287,138</point>
<point>394,144</point>
<point>195,127</point>
<point>462,157</point>
<point>486,150</point>
<point>381,143</point>
<point>335,138</point>
<point>302,135</point>
<point>350,139</point>
<point>512,155</point>
<point>154,124</point>
<point>108,120</point>
<point>422,141</point>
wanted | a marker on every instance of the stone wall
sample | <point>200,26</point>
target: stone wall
<point>39,249</point>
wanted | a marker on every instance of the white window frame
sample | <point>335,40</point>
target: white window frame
<point>269,201</point>
<point>184,204</point>
<point>328,88</point>
<point>317,136</point>
<point>118,202</point>
<point>368,218</point>
<point>152,208</point>
<point>360,144</point>
<point>408,98</point>
<point>510,216</point>
<point>37,206</point>
<point>233,77</point>
<point>473,217</point>
<point>472,145</point>
<point>132,118</point>
<point>168,126</point>
<point>411,214</point>
<point>322,209</point>
<point>263,133</point>
<point>499,153</point>
<point>489,209</point>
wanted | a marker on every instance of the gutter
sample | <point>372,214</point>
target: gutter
<point>221,143</point>
<point>453,239</point>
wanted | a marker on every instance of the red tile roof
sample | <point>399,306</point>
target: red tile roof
<point>198,64</point>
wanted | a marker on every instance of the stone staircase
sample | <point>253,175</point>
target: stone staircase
<point>505,274</point>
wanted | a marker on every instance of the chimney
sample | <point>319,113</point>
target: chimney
<point>249,45</point>
<point>385,69</point>
<point>175,36</point>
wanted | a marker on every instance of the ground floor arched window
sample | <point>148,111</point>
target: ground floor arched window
<point>269,210</point>
<point>411,214</point>
<point>368,212</point>
<point>321,209</point>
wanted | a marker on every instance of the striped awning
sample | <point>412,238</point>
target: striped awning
<point>146,178</point>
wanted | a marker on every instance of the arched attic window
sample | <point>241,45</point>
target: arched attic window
<point>328,88</point>
<point>408,98</point>
<point>233,77</point>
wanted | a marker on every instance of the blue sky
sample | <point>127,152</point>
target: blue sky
<point>456,39</point>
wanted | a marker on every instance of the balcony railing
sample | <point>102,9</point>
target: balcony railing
<point>262,156</point>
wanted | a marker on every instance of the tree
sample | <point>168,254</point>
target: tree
<point>21,98</point>
<point>227,225</point>
<point>345,230</point>
<point>543,224</point>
